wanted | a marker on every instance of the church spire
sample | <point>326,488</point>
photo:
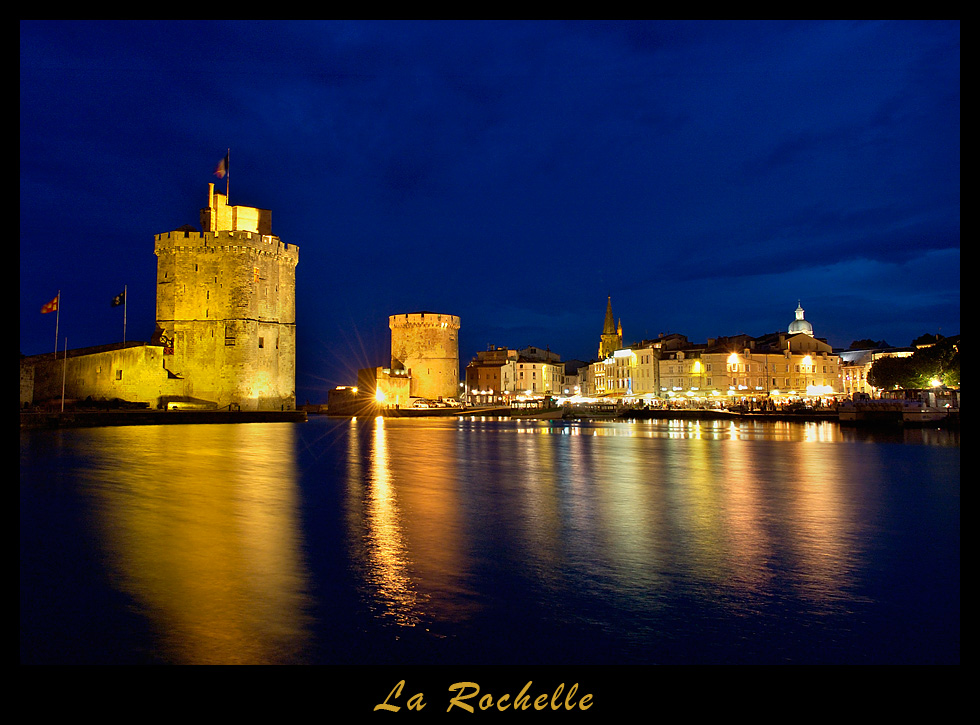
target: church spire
<point>609,328</point>
<point>612,336</point>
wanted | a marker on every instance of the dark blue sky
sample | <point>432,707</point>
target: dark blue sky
<point>706,175</point>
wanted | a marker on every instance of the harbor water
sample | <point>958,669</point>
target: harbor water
<point>490,541</point>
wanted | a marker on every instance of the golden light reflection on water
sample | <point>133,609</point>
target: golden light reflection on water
<point>200,525</point>
<point>729,504</point>
<point>404,524</point>
<point>676,429</point>
<point>739,507</point>
<point>751,516</point>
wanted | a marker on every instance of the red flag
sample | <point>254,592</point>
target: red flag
<point>52,306</point>
<point>222,168</point>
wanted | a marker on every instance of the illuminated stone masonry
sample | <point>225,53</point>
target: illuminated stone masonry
<point>226,306</point>
<point>426,345</point>
<point>225,319</point>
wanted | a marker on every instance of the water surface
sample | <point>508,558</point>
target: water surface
<point>486,541</point>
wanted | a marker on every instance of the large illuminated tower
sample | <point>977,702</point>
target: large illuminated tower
<point>426,344</point>
<point>226,308</point>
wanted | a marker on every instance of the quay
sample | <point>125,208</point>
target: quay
<point>572,412</point>
<point>724,414</point>
<point>104,418</point>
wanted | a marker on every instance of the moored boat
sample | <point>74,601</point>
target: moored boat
<point>536,407</point>
<point>900,407</point>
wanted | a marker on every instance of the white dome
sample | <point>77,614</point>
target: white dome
<point>799,324</point>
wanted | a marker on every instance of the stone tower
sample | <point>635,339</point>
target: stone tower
<point>612,336</point>
<point>226,308</point>
<point>426,344</point>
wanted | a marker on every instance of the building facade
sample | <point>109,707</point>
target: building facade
<point>855,366</point>
<point>779,367</point>
<point>488,375</point>
<point>782,367</point>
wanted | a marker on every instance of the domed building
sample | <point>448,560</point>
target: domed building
<point>799,324</point>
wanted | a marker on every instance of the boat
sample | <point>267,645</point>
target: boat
<point>595,410</point>
<point>900,407</point>
<point>544,408</point>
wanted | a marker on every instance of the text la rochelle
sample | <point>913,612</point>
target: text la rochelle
<point>469,690</point>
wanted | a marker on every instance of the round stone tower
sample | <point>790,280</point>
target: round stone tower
<point>426,344</point>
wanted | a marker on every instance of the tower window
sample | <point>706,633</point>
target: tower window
<point>261,342</point>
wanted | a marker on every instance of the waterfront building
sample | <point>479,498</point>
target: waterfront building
<point>620,373</point>
<point>781,367</point>
<point>683,375</point>
<point>856,364</point>
<point>593,379</point>
<point>488,376</point>
<point>572,383</point>
<point>647,384</point>
<point>534,377</point>
<point>775,368</point>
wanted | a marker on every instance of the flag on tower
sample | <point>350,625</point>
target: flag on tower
<point>222,169</point>
<point>119,299</point>
<point>52,306</point>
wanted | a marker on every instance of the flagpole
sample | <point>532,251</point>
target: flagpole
<point>125,306</point>
<point>64,371</point>
<point>57,319</point>
<point>228,178</point>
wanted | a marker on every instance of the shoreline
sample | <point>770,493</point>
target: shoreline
<point>98,419</point>
<point>103,418</point>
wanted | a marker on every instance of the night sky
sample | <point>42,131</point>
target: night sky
<point>705,175</point>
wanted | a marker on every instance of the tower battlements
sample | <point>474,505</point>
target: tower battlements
<point>424,319</point>
<point>225,241</point>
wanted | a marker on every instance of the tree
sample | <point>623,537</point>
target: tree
<point>927,339</point>
<point>893,372</point>
<point>938,362</point>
